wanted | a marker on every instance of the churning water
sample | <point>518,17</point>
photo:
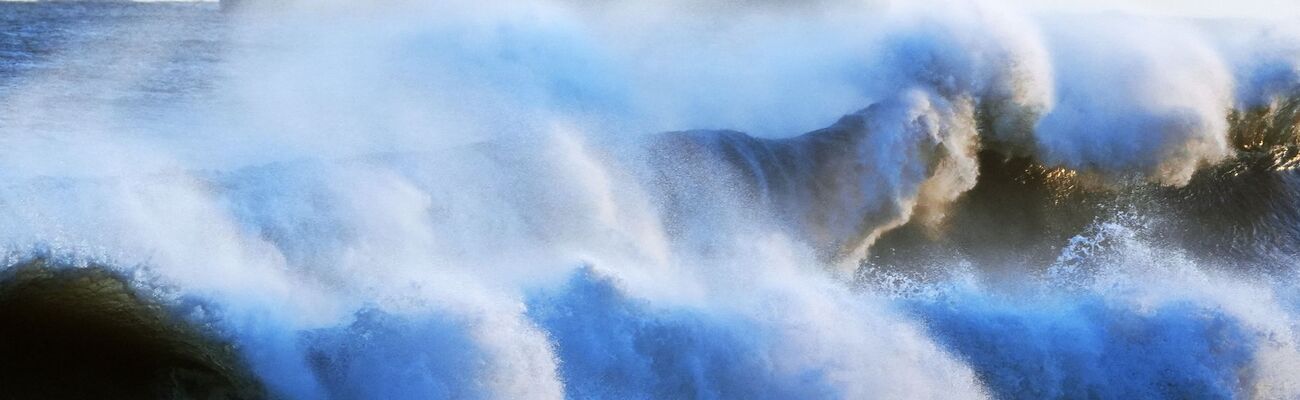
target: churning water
<point>565,199</point>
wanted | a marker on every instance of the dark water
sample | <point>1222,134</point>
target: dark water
<point>133,59</point>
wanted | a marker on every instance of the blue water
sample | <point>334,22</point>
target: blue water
<point>479,201</point>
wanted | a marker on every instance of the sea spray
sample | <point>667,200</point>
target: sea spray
<point>499,201</point>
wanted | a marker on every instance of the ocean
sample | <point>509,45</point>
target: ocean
<point>631,200</point>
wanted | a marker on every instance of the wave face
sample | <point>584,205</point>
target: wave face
<point>568,200</point>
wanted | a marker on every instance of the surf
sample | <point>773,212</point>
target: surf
<point>552,200</point>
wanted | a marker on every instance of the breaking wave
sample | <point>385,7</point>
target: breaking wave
<point>459,201</point>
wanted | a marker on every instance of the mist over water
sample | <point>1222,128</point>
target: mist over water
<point>567,199</point>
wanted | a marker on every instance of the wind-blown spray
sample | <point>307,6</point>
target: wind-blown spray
<point>499,201</point>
